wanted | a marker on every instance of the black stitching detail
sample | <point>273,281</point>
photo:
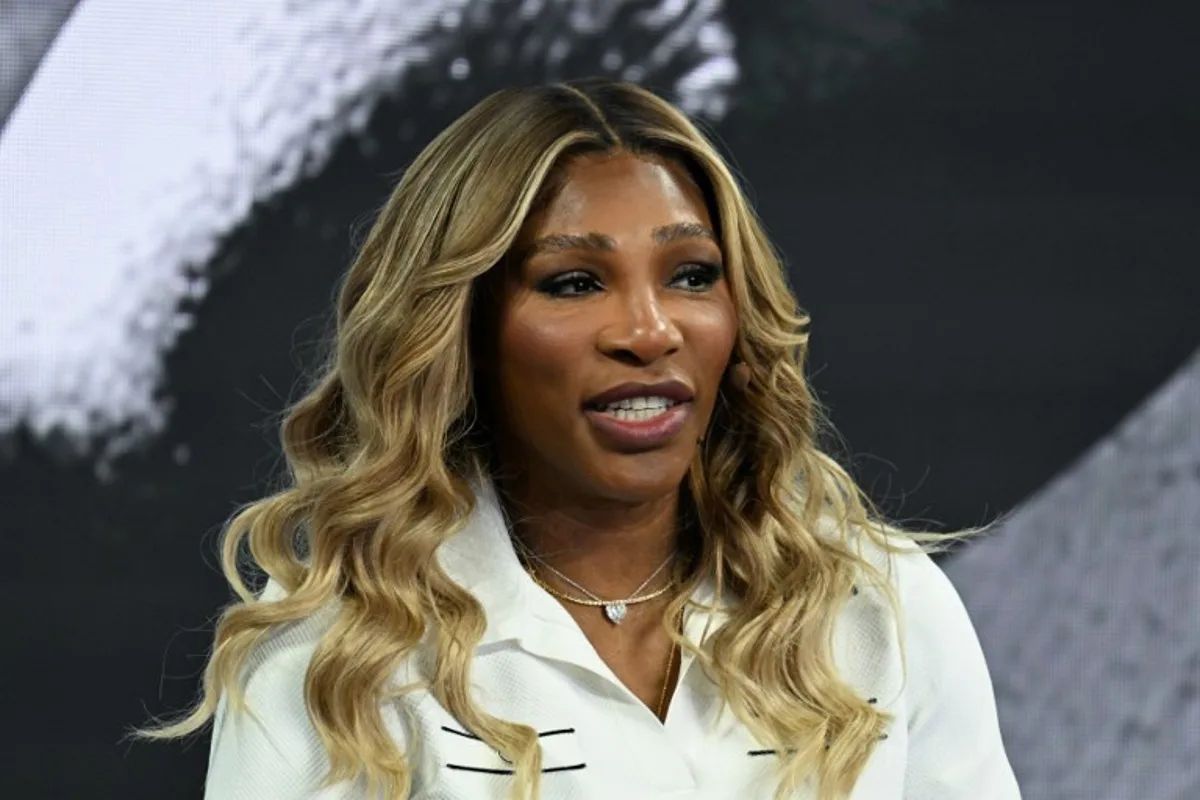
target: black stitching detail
<point>491,771</point>
<point>882,737</point>
<point>465,735</point>
<point>556,732</point>
<point>854,590</point>
<point>872,700</point>
<point>480,769</point>
<point>766,752</point>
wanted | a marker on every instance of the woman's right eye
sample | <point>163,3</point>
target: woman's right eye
<point>569,284</point>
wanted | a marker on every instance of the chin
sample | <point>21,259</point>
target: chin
<point>639,477</point>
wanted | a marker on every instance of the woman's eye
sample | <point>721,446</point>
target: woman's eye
<point>696,277</point>
<point>571,284</point>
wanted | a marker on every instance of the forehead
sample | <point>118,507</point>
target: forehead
<point>616,193</point>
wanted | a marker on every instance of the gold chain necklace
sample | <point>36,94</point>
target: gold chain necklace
<point>615,610</point>
<point>660,707</point>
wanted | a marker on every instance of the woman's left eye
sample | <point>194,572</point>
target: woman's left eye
<point>696,277</point>
<point>568,284</point>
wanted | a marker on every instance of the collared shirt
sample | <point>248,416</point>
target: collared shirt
<point>535,666</point>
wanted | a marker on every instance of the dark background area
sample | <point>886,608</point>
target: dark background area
<point>997,238</point>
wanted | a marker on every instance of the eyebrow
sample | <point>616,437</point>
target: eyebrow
<point>664,234</point>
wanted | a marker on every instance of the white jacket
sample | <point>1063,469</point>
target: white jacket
<point>599,742</point>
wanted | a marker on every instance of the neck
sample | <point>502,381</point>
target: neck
<point>608,546</point>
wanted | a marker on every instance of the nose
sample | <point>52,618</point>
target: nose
<point>642,330</point>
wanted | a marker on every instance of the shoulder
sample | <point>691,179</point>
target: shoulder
<point>928,601</point>
<point>935,627</point>
<point>273,749</point>
<point>948,702</point>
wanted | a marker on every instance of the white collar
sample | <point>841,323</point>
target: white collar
<point>481,558</point>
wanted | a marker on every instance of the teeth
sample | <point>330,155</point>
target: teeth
<point>636,415</point>
<point>640,404</point>
<point>635,409</point>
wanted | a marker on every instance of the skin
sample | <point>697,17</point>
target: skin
<point>570,322</point>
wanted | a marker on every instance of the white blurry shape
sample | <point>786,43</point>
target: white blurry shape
<point>1087,601</point>
<point>692,26</point>
<point>147,135</point>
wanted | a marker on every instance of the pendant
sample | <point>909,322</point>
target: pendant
<point>615,612</point>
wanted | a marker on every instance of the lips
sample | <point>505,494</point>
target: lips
<point>633,435</point>
<point>675,391</point>
<point>640,435</point>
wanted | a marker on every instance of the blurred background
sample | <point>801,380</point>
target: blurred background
<point>989,208</point>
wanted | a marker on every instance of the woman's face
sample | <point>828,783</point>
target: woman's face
<point>613,329</point>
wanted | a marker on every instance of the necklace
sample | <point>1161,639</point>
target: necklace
<point>614,610</point>
<point>615,619</point>
<point>661,709</point>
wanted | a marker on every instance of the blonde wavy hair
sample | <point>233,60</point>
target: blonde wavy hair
<point>382,454</point>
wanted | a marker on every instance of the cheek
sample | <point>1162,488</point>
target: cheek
<point>714,332</point>
<point>538,357</point>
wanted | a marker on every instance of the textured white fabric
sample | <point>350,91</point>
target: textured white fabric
<point>534,665</point>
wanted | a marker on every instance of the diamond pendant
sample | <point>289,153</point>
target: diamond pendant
<point>615,612</point>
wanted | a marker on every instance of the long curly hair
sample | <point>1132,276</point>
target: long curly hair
<point>383,451</point>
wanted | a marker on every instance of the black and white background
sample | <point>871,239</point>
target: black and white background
<point>990,209</point>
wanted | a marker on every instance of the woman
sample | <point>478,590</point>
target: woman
<point>558,525</point>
